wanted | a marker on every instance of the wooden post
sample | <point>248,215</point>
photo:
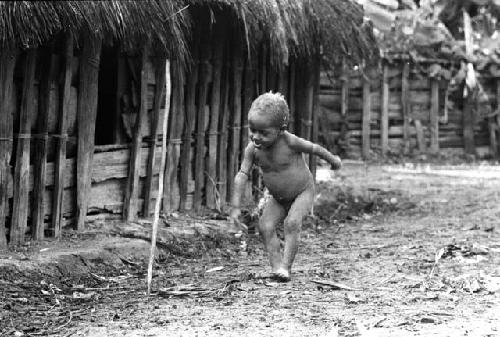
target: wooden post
<point>468,112</point>
<point>497,117</point>
<point>248,97</point>
<point>21,171</point>
<point>366,118</point>
<point>215,107</point>
<point>8,58</point>
<point>199,166</point>
<point>171,190</point>
<point>87,113</point>
<point>344,101</point>
<point>236,83</point>
<point>434,116</point>
<point>155,122</point>
<point>420,136</point>
<point>41,145</point>
<point>189,122</point>
<point>130,206</point>
<point>291,96</point>
<point>405,102</point>
<point>315,110</point>
<point>222,151</point>
<point>384,113</point>
<point>468,126</point>
<point>60,160</point>
<point>263,70</point>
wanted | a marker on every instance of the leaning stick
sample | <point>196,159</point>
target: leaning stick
<point>168,90</point>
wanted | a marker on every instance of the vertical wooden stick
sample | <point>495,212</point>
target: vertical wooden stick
<point>434,116</point>
<point>215,107</point>
<point>8,58</point>
<point>160,84</point>
<point>222,151</point>
<point>154,231</point>
<point>60,160</point>
<point>87,113</point>
<point>263,69</point>
<point>291,96</point>
<point>21,171</point>
<point>405,102</point>
<point>199,166</point>
<point>189,123</point>
<point>468,126</point>
<point>41,145</point>
<point>344,101</point>
<point>236,83</point>
<point>384,114</point>
<point>315,110</point>
<point>420,136</point>
<point>366,118</point>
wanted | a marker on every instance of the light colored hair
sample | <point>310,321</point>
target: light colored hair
<point>273,105</point>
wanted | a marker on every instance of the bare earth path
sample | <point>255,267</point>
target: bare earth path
<point>392,252</point>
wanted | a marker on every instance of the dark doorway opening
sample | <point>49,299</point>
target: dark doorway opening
<point>106,102</point>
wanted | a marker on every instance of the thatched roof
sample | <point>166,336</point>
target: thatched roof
<point>299,28</point>
<point>32,23</point>
<point>291,27</point>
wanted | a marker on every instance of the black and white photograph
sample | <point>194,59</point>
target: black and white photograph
<point>227,168</point>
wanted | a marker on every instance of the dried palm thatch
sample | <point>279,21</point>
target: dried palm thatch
<point>299,28</point>
<point>32,23</point>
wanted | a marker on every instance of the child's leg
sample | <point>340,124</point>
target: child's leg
<point>300,208</point>
<point>272,214</point>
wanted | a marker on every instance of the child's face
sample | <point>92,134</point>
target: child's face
<point>262,130</point>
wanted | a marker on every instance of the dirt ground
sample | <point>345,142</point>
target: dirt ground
<point>391,251</point>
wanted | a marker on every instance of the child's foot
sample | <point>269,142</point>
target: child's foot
<point>281,275</point>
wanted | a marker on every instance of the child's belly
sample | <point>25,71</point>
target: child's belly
<point>287,184</point>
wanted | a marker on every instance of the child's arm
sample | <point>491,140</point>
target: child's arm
<point>303,145</point>
<point>240,181</point>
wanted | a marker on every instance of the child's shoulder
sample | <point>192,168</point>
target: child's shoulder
<point>290,138</point>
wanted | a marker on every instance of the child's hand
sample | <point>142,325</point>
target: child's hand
<point>337,163</point>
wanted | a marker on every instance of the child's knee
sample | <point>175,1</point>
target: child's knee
<point>266,228</point>
<point>292,225</point>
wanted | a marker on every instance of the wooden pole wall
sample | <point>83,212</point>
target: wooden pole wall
<point>86,117</point>
<point>62,129</point>
<point>22,162</point>
<point>130,205</point>
<point>7,63</point>
<point>41,144</point>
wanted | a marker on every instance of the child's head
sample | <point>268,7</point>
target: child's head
<point>272,106</point>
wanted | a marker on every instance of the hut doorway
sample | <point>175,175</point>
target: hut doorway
<point>106,121</point>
